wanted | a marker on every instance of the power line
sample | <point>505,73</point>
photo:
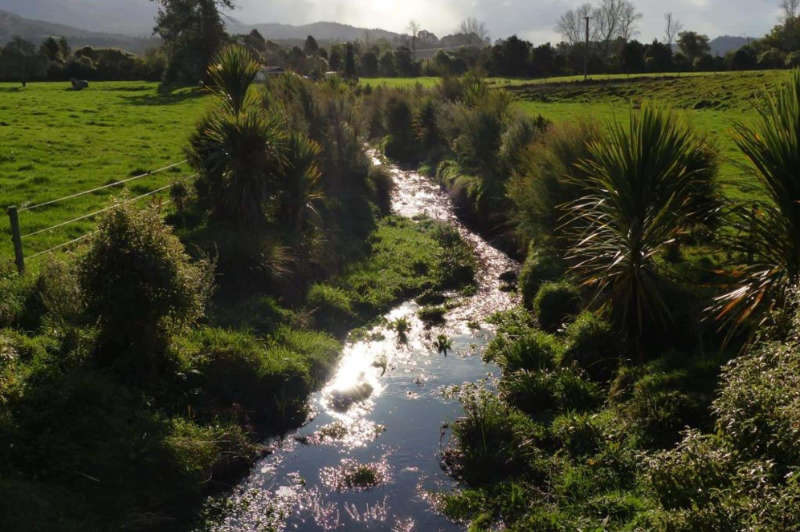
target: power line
<point>101,211</point>
<point>114,184</point>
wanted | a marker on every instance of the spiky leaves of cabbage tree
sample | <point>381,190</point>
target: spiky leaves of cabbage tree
<point>771,229</point>
<point>640,180</point>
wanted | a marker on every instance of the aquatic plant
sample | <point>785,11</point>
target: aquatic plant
<point>443,344</point>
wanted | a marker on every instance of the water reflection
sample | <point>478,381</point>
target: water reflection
<point>368,459</point>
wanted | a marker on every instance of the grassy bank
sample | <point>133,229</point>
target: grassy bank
<point>55,142</point>
<point>86,448</point>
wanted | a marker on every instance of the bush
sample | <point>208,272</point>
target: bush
<point>579,434</point>
<point>687,475</point>
<point>541,394</point>
<point>535,350</point>
<point>592,345</point>
<point>547,177</point>
<point>758,407</point>
<point>555,303</point>
<point>140,284</point>
<point>539,266</point>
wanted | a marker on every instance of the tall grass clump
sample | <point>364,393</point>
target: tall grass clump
<point>641,182</point>
<point>770,229</point>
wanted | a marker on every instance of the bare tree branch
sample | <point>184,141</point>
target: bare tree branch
<point>672,27</point>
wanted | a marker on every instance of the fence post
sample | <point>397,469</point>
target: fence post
<point>13,216</point>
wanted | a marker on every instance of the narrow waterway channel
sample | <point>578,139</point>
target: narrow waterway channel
<point>384,407</point>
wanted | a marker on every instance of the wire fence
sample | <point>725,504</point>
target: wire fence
<point>18,237</point>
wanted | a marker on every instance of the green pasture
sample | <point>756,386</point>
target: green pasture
<point>55,142</point>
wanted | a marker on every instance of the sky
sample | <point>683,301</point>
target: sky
<point>532,19</point>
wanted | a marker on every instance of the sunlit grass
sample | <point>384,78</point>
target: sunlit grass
<point>55,142</point>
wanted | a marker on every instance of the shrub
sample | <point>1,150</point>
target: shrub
<point>593,345</point>
<point>579,434</point>
<point>139,283</point>
<point>331,307</point>
<point>535,350</point>
<point>660,408</point>
<point>688,474</point>
<point>400,142</point>
<point>555,303</point>
<point>489,436</point>
<point>758,407</point>
<point>547,177</point>
<point>543,393</point>
<point>539,267</point>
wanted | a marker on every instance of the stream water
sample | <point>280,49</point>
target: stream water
<point>398,425</point>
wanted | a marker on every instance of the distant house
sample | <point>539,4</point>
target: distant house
<point>269,71</point>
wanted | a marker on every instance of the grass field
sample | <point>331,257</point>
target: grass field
<point>55,142</point>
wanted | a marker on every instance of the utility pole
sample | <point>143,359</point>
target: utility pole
<point>586,52</point>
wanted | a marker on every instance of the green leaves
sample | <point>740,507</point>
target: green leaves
<point>772,145</point>
<point>642,182</point>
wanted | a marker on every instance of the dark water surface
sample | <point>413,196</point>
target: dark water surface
<point>384,406</point>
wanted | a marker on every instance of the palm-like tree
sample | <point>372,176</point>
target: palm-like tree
<point>232,74</point>
<point>242,159</point>
<point>640,182</point>
<point>772,227</point>
<point>302,185</point>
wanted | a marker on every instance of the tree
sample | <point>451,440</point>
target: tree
<point>51,50</point>
<point>672,27</point>
<point>193,32</point>
<point>335,59</point>
<point>572,24</point>
<point>20,61</point>
<point>404,62</point>
<point>658,57</point>
<point>693,45</point>
<point>311,47</point>
<point>369,64</point>
<point>789,9</point>
<point>615,19</point>
<point>387,67</point>
<point>413,27</point>
<point>632,57</point>
<point>350,62</point>
<point>628,20</point>
<point>640,196</point>
<point>255,41</point>
<point>511,57</point>
<point>471,26</point>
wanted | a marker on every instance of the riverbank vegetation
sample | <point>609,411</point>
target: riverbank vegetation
<point>139,375</point>
<point>633,389</point>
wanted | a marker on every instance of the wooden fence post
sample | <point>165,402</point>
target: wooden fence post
<point>13,217</point>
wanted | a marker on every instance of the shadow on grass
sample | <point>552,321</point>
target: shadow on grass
<point>165,97</point>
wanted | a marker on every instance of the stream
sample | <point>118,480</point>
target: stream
<point>397,424</point>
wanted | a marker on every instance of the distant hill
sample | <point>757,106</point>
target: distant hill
<point>322,31</point>
<point>128,17</point>
<point>36,31</point>
<point>727,43</point>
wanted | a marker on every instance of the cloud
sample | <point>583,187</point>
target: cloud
<point>533,19</point>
